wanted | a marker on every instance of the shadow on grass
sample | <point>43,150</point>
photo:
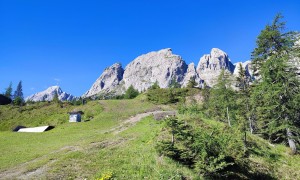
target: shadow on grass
<point>245,171</point>
<point>262,151</point>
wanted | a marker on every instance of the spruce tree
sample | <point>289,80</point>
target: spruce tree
<point>243,110</point>
<point>222,100</point>
<point>8,91</point>
<point>131,93</point>
<point>18,95</point>
<point>276,96</point>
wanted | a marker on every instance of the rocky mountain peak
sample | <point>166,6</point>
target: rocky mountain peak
<point>108,81</point>
<point>191,73</point>
<point>161,66</point>
<point>211,65</point>
<point>48,95</point>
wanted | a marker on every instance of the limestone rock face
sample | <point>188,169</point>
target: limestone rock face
<point>247,66</point>
<point>191,73</point>
<point>161,66</point>
<point>109,81</point>
<point>211,65</point>
<point>49,93</point>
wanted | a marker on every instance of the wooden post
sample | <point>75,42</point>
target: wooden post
<point>228,117</point>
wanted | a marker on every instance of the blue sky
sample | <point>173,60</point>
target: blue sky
<point>70,43</point>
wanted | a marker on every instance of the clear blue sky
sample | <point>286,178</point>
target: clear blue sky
<point>69,43</point>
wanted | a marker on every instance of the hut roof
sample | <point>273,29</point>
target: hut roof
<point>76,112</point>
<point>36,129</point>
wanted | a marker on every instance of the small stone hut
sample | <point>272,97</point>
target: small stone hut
<point>75,116</point>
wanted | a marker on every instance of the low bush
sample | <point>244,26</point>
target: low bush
<point>208,150</point>
<point>166,96</point>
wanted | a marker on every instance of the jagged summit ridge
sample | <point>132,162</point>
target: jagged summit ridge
<point>48,95</point>
<point>108,81</point>
<point>191,73</point>
<point>161,66</point>
<point>211,65</point>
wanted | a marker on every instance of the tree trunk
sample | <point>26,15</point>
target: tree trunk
<point>228,118</point>
<point>250,121</point>
<point>173,139</point>
<point>250,125</point>
<point>291,141</point>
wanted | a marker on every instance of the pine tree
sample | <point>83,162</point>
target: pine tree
<point>270,42</point>
<point>192,83</point>
<point>243,95</point>
<point>8,91</point>
<point>276,96</point>
<point>18,95</point>
<point>131,93</point>
<point>222,100</point>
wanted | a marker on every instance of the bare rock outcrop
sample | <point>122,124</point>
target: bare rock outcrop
<point>191,73</point>
<point>161,66</point>
<point>247,66</point>
<point>109,81</point>
<point>211,65</point>
<point>49,94</point>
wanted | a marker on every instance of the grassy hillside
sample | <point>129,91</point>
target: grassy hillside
<point>105,145</point>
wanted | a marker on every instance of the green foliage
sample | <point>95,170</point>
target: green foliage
<point>192,83</point>
<point>8,91</point>
<point>166,96</point>
<point>208,150</point>
<point>155,85</point>
<point>174,83</point>
<point>131,93</point>
<point>276,96</point>
<point>19,94</point>
<point>192,109</point>
<point>18,101</point>
<point>55,98</point>
<point>271,41</point>
<point>221,98</point>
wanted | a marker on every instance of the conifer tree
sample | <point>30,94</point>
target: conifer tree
<point>276,96</point>
<point>131,93</point>
<point>8,91</point>
<point>18,95</point>
<point>221,100</point>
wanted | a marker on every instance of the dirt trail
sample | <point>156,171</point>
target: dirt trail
<point>21,171</point>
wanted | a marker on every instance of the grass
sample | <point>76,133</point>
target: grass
<point>90,149</point>
<point>17,148</point>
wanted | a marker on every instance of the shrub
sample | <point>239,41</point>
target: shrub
<point>18,101</point>
<point>207,150</point>
<point>166,96</point>
<point>131,93</point>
